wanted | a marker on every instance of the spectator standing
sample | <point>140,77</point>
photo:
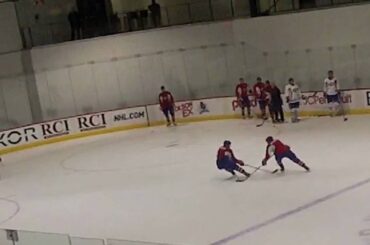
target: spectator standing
<point>276,103</point>
<point>155,10</point>
<point>74,20</point>
<point>268,89</point>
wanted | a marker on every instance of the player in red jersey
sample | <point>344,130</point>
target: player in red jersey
<point>167,103</point>
<point>227,161</point>
<point>261,96</point>
<point>281,151</point>
<point>241,92</point>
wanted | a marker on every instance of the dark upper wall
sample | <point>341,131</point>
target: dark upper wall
<point>203,60</point>
<point>10,39</point>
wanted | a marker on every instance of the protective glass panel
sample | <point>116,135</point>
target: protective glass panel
<point>222,9</point>
<point>33,238</point>
<point>200,11</point>
<point>86,241</point>
<point>122,242</point>
<point>179,14</point>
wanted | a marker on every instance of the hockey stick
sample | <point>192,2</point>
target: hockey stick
<point>261,169</point>
<point>262,123</point>
<point>257,168</point>
<point>275,171</point>
<point>255,171</point>
<point>250,175</point>
<point>342,107</point>
<point>264,118</point>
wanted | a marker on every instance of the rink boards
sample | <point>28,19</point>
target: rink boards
<point>314,104</point>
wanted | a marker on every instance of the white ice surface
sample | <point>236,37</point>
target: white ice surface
<point>161,185</point>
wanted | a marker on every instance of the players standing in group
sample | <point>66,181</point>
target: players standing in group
<point>167,104</point>
<point>242,93</point>
<point>293,98</point>
<point>331,93</point>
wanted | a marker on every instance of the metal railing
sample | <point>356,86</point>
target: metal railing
<point>187,13</point>
<point>180,14</point>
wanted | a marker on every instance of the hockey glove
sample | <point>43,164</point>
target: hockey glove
<point>264,162</point>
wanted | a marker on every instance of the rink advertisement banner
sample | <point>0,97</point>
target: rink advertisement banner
<point>312,103</point>
<point>316,101</point>
<point>236,105</point>
<point>194,110</point>
<point>55,128</point>
<point>91,122</point>
<point>126,117</point>
<point>368,97</point>
<point>20,136</point>
<point>70,127</point>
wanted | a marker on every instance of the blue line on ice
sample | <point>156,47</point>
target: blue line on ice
<point>290,213</point>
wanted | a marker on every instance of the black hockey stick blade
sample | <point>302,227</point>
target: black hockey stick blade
<point>250,175</point>
<point>261,124</point>
<point>275,171</point>
<point>238,180</point>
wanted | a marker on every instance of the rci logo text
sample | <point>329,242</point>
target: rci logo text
<point>91,122</point>
<point>15,137</point>
<point>54,129</point>
<point>129,116</point>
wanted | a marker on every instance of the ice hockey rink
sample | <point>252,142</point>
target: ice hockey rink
<point>161,185</point>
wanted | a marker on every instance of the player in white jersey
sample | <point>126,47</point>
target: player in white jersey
<point>331,93</point>
<point>293,98</point>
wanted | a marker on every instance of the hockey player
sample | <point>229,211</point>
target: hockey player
<point>331,93</point>
<point>280,150</point>
<point>227,161</point>
<point>167,104</point>
<point>241,92</point>
<point>261,96</point>
<point>293,98</point>
<point>268,90</point>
